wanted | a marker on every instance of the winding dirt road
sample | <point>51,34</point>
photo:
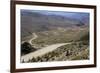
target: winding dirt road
<point>34,37</point>
<point>42,51</point>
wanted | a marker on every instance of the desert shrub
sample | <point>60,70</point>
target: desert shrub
<point>33,59</point>
<point>26,48</point>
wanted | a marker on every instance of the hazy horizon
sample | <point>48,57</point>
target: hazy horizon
<point>74,15</point>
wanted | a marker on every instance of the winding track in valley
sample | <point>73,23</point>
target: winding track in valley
<point>42,51</point>
<point>34,37</point>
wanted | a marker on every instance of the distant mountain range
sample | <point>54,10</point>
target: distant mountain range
<point>35,21</point>
<point>83,17</point>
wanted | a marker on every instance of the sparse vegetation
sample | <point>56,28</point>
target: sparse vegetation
<point>52,29</point>
<point>68,52</point>
<point>26,48</point>
<point>61,36</point>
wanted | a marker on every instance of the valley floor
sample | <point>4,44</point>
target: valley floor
<point>58,45</point>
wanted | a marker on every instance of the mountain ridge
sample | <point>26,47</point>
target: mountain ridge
<point>35,22</point>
